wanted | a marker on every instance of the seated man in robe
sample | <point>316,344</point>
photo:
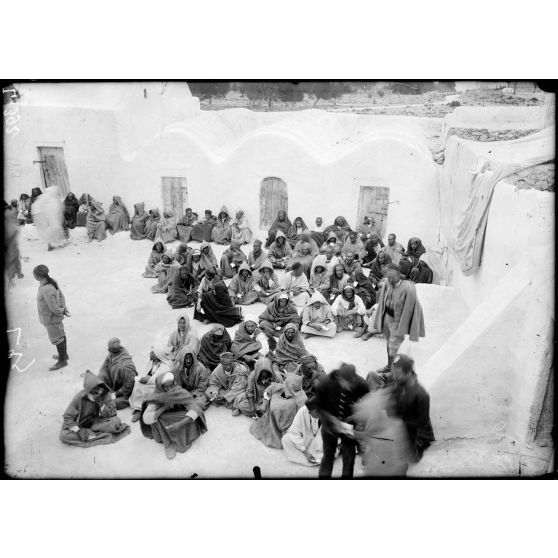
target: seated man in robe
<point>331,260</point>
<point>192,376</point>
<point>333,242</point>
<point>221,232</point>
<point>257,256</point>
<point>294,234</point>
<point>227,382</point>
<point>393,249</point>
<point>317,231</point>
<point>250,343</point>
<point>306,238</point>
<point>118,217</point>
<point>423,272</point>
<point>252,403</point>
<point>350,265</point>
<point>266,283</point>
<point>166,229</point>
<point>290,348</point>
<point>284,401</point>
<point>276,316</point>
<point>366,229</point>
<point>296,284</point>
<point>319,275</point>
<point>317,318</point>
<point>414,250</point>
<point>240,228</point>
<point>160,361</point>
<point>280,251</point>
<point>118,372</point>
<point>311,372</point>
<point>282,223</point>
<point>213,344</point>
<point>172,417</point>
<point>241,287</point>
<point>352,244</point>
<point>155,256</point>
<point>349,311</point>
<point>231,259</point>
<point>202,231</point>
<point>303,441</point>
<point>304,257</point>
<point>185,225</point>
<point>182,293</point>
<point>90,418</point>
<point>183,335</point>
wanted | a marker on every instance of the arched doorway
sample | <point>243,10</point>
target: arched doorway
<point>273,198</point>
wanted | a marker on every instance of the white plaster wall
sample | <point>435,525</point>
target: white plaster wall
<point>99,125</point>
<point>90,149</point>
<point>317,185</point>
<point>519,222</point>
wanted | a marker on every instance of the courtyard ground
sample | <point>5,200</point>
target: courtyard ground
<point>108,297</point>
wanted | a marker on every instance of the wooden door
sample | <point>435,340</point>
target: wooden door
<point>273,198</point>
<point>373,201</point>
<point>53,169</point>
<point>174,194</point>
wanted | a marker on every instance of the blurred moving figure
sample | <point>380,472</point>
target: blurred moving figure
<point>48,216</point>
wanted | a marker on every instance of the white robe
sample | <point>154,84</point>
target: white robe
<point>304,434</point>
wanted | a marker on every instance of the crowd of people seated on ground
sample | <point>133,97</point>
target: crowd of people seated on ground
<point>294,404</point>
<point>313,283</point>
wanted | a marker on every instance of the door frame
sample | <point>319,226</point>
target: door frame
<point>262,214</point>
<point>361,209</point>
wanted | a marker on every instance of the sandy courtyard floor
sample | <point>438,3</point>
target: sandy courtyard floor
<point>108,297</point>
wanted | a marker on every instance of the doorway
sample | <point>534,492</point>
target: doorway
<point>53,169</point>
<point>174,194</point>
<point>273,198</point>
<point>374,201</point>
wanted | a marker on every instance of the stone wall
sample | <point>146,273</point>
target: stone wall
<point>540,177</point>
<point>480,134</point>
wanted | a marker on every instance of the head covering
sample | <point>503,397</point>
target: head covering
<point>196,252</point>
<point>113,341</point>
<point>405,362</point>
<point>250,318</point>
<point>316,297</point>
<point>167,378</point>
<point>307,359</point>
<point>394,266</point>
<point>163,353</point>
<point>291,325</point>
<point>227,357</point>
<point>41,271</point>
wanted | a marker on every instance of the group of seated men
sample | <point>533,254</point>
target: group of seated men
<point>265,372</point>
<point>323,287</point>
<point>294,404</point>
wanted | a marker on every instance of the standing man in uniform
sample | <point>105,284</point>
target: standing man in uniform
<point>399,313</point>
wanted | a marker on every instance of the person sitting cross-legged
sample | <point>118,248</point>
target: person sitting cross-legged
<point>241,288</point>
<point>160,361</point>
<point>349,311</point>
<point>317,318</point>
<point>227,382</point>
<point>250,343</point>
<point>302,442</point>
<point>251,403</point>
<point>172,417</point>
<point>118,372</point>
<point>192,376</point>
<point>90,418</point>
